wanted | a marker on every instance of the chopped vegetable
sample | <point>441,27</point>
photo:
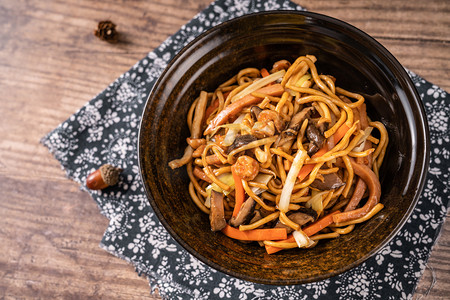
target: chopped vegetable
<point>236,107</point>
<point>303,79</point>
<point>263,179</point>
<point>255,234</point>
<point>233,131</point>
<point>258,84</point>
<point>306,169</point>
<point>316,201</point>
<point>226,178</point>
<point>302,240</point>
<point>309,230</point>
<point>264,72</point>
<point>286,193</point>
<point>211,108</point>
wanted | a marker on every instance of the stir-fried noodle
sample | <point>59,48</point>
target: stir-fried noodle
<point>285,157</point>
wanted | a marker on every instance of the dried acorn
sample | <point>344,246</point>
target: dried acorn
<point>106,175</point>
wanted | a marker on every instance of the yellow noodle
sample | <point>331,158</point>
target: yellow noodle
<point>281,153</point>
<point>194,180</point>
<point>261,222</point>
<point>251,145</point>
<point>329,82</point>
<point>268,196</point>
<point>190,114</point>
<point>252,195</point>
<point>281,170</point>
<point>328,171</point>
<point>214,179</point>
<point>282,245</point>
<point>288,222</point>
<point>362,153</point>
<point>345,230</point>
<point>327,199</point>
<point>358,97</point>
<point>368,216</point>
<point>330,235</point>
<point>258,185</point>
<point>383,137</point>
<point>196,199</point>
<point>222,170</point>
<point>282,102</point>
<point>336,126</point>
<point>229,82</point>
<point>349,180</point>
<point>373,139</point>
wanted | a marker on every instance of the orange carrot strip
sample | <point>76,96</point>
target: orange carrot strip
<point>308,230</point>
<point>214,105</point>
<point>306,169</point>
<point>338,135</point>
<point>211,108</point>
<point>239,192</point>
<point>317,226</point>
<point>236,107</point>
<point>264,72</point>
<point>255,234</point>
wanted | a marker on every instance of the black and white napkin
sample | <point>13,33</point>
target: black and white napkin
<point>105,130</point>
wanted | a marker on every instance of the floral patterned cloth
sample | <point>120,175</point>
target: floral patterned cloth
<point>105,130</point>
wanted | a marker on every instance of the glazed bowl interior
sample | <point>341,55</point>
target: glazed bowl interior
<point>358,62</point>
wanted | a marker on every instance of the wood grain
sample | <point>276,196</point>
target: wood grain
<point>51,64</point>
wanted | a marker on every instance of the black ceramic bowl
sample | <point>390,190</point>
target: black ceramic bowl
<point>359,63</point>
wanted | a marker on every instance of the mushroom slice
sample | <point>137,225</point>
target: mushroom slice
<point>245,213</point>
<point>217,214</point>
<point>290,134</point>
<point>240,141</point>
<point>301,217</point>
<point>315,137</point>
<point>330,181</point>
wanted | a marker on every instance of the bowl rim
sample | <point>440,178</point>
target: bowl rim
<point>415,99</point>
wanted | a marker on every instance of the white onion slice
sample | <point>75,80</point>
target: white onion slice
<point>302,240</point>
<point>286,193</point>
<point>360,146</point>
<point>233,131</point>
<point>258,84</point>
<point>261,178</point>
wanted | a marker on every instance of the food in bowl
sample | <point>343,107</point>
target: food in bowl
<point>359,63</point>
<point>284,158</point>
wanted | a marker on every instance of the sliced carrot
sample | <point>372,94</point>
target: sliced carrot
<point>338,135</point>
<point>308,230</point>
<point>211,108</point>
<point>214,105</point>
<point>264,72</point>
<point>255,234</point>
<point>236,107</point>
<point>239,192</point>
<point>320,224</point>
<point>306,169</point>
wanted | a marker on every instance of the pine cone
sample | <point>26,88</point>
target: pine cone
<point>107,31</point>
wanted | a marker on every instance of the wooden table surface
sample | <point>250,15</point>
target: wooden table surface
<point>51,64</point>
